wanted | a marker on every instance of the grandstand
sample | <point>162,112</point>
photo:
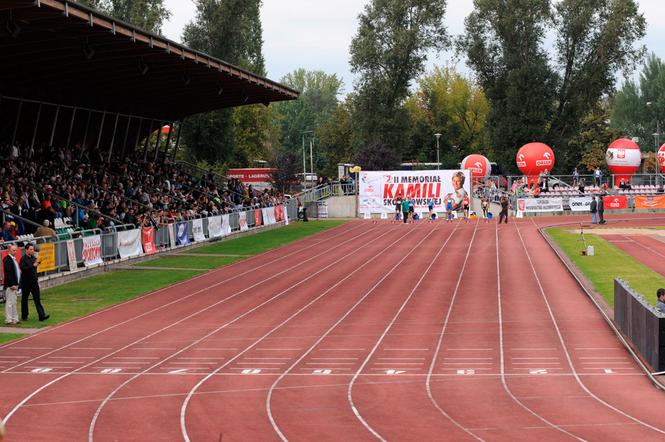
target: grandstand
<point>84,90</point>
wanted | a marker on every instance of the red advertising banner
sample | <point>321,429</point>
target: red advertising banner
<point>650,202</point>
<point>2,260</point>
<point>615,202</point>
<point>148,241</point>
<point>279,213</point>
<point>252,175</point>
<point>257,217</point>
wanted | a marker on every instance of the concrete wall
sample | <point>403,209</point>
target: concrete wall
<point>341,207</point>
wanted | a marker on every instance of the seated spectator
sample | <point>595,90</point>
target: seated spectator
<point>44,229</point>
<point>8,234</point>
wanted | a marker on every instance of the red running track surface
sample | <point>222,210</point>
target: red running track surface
<point>649,250</point>
<point>367,331</point>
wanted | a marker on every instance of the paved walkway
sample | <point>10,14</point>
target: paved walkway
<point>18,330</point>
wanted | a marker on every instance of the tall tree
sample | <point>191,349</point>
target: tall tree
<point>145,14</point>
<point>533,98</point>
<point>631,114</point>
<point>447,103</point>
<point>388,52</point>
<point>318,100</point>
<point>230,30</point>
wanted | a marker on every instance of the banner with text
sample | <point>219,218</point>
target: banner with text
<point>92,250</point>
<point>379,190</point>
<point>46,258</point>
<point>197,230</point>
<point>540,205</point>
<point>650,202</point>
<point>148,240</point>
<point>615,202</point>
<point>215,226</point>
<point>257,217</point>
<point>580,204</point>
<point>129,243</point>
<point>268,215</point>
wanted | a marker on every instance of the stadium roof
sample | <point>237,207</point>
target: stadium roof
<point>62,52</point>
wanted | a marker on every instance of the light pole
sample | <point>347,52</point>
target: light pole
<point>656,140</point>
<point>304,159</point>
<point>438,163</point>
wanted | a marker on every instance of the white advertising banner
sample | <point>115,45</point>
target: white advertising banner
<point>129,243</point>
<point>379,190</point>
<point>226,225</point>
<point>215,226</point>
<point>197,230</point>
<point>172,235</point>
<point>92,250</point>
<point>580,204</point>
<point>268,215</point>
<point>286,215</point>
<point>540,205</point>
<point>71,255</point>
<point>242,220</point>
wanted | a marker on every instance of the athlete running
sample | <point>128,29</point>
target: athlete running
<point>465,207</point>
<point>449,209</point>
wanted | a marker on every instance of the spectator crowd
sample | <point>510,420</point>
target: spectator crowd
<point>49,183</point>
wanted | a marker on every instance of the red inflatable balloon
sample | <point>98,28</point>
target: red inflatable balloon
<point>661,158</point>
<point>479,166</point>
<point>623,159</point>
<point>535,158</point>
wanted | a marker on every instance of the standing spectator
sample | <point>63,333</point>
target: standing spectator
<point>7,234</point>
<point>660,294</point>
<point>405,209</point>
<point>594,210</point>
<point>30,283</point>
<point>505,205</point>
<point>601,210</point>
<point>11,283</point>
<point>576,177</point>
<point>597,176</point>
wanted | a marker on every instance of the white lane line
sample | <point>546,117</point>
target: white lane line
<point>437,350</point>
<point>144,338</point>
<point>161,306</point>
<point>565,347</point>
<point>183,408</point>
<point>502,352</point>
<point>330,330</point>
<point>249,261</point>
<point>93,422</point>
<point>387,330</point>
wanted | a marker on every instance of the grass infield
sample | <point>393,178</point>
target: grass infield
<point>608,263</point>
<point>80,298</point>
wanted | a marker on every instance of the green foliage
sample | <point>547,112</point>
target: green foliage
<point>631,114</point>
<point>590,144</point>
<point>608,263</point>
<point>336,139</point>
<point>449,104</point>
<point>531,97</point>
<point>388,52</point>
<point>230,30</point>
<point>149,15</point>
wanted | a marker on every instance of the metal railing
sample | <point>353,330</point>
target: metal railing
<point>163,237</point>
<point>327,190</point>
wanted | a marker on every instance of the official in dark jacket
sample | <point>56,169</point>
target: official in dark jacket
<point>594,210</point>
<point>12,276</point>
<point>30,283</point>
<point>601,210</point>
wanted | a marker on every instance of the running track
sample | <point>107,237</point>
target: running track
<point>649,250</point>
<point>364,332</point>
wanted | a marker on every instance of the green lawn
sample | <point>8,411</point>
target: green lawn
<point>192,262</point>
<point>608,263</point>
<point>261,242</point>
<point>88,295</point>
<point>6,337</point>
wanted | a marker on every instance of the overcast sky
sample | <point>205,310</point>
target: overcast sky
<point>316,34</point>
